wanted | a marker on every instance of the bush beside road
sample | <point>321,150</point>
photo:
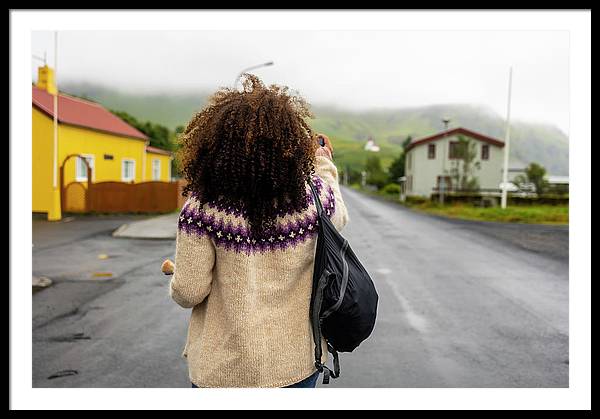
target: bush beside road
<point>529,214</point>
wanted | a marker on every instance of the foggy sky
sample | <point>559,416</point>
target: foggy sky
<point>351,69</point>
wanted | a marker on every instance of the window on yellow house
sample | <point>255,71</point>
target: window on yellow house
<point>155,169</point>
<point>81,168</point>
<point>128,170</point>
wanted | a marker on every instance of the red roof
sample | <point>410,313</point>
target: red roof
<point>83,113</point>
<point>455,131</point>
<point>157,150</point>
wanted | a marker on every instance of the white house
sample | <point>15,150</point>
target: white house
<point>429,158</point>
<point>371,146</point>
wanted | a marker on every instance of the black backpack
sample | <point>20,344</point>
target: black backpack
<point>343,303</point>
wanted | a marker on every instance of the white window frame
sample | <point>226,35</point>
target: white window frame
<point>91,161</point>
<point>155,161</point>
<point>123,179</point>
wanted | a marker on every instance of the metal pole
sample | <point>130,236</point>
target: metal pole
<point>346,176</point>
<point>506,144</point>
<point>55,121</point>
<point>443,180</point>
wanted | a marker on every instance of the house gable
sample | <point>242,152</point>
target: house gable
<point>452,132</point>
<point>83,113</point>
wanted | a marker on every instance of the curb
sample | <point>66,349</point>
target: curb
<point>40,282</point>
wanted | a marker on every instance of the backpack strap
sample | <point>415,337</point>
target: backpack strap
<point>316,319</point>
<point>336,361</point>
<point>317,300</point>
<point>316,199</point>
<point>327,372</point>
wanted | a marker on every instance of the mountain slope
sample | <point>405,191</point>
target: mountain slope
<point>529,142</point>
<point>349,130</point>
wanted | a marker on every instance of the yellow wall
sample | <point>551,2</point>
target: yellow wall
<point>75,140</point>
<point>165,164</point>
<point>43,198</point>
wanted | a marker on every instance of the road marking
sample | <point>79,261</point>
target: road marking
<point>416,321</point>
<point>102,274</point>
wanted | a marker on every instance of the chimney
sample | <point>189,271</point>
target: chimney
<point>46,80</point>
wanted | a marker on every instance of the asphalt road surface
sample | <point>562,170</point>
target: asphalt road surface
<point>462,304</point>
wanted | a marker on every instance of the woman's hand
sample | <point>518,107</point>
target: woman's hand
<point>326,149</point>
<point>167,267</point>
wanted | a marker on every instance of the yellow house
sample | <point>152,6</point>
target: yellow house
<point>114,150</point>
<point>158,164</point>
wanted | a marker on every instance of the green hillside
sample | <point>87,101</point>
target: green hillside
<point>541,143</point>
<point>529,142</point>
<point>169,109</point>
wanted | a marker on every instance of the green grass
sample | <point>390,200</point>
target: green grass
<point>529,214</point>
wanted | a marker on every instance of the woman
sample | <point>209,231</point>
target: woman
<point>247,235</point>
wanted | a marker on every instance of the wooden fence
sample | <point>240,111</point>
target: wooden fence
<point>147,197</point>
<point>491,197</point>
<point>121,197</point>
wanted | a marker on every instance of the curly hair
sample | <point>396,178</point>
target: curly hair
<point>251,149</point>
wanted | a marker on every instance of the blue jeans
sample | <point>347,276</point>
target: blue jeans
<point>310,382</point>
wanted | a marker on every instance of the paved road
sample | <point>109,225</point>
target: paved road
<point>118,332</point>
<point>461,305</point>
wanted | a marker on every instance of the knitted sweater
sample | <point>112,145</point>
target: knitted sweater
<point>250,296</point>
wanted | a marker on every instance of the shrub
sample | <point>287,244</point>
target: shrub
<point>391,189</point>
<point>416,200</point>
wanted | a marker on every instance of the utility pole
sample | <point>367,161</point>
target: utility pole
<point>55,121</point>
<point>446,121</point>
<point>506,144</point>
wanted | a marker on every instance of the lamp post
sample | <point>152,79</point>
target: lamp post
<point>254,67</point>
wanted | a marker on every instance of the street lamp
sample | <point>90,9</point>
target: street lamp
<point>446,121</point>
<point>254,67</point>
